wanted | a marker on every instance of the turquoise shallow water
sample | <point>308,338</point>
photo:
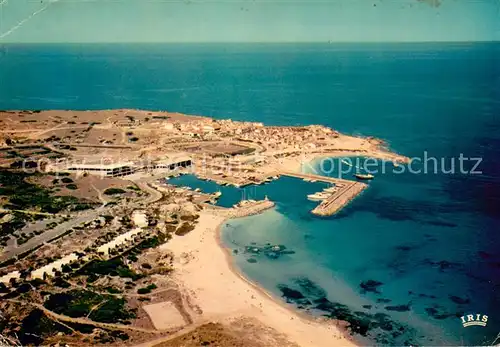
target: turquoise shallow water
<point>426,242</point>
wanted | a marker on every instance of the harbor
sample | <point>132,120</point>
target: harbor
<point>333,198</point>
<point>339,198</point>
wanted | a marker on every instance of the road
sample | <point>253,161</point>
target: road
<point>63,318</point>
<point>85,216</point>
<point>48,235</point>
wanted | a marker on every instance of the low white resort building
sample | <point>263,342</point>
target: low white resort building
<point>140,219</point>
<point>109,170</point>
<point>118,241</point>
<point>48,270</point>
<point>171,163</point>
<point>124,168</point>
<point>6,279</point>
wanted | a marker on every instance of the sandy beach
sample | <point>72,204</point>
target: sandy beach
<point>204,271</point>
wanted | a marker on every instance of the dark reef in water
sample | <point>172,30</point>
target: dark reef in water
<point>442,224</point>
<point>309,287</point>
<point>426,296</point>
<point>293,296</point>
<point>398,308</point>
<point>459,300</point>
<point>268,250</point>
<point>405,248</point>
<point>370,286</point>
<point>442,265</point>
<point>438,312</point>
<point>383,301</point>
<point>306,294</point>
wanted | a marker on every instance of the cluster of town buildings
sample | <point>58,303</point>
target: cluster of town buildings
<point>269,137</point>
<point>131,237</point>
<point>105,168</point>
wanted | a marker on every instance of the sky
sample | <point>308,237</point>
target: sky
<point>248,20</point>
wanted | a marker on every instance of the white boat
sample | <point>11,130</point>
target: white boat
<point>318,196</point>
<point>364,177</point>
<point>346,162</point>
<point>197,190</point>
<point>217,194</point>
<point>330,189</point>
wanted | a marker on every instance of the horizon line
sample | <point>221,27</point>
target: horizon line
<point>246,42</point>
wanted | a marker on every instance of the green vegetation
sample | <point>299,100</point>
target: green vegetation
<point>111,336</point>
<point>132,257</point>
<point>112,267</point>
<point>190,218</point>
<point>114,191</point>
<point>83,303</point>
<point>36,327</point>
<point>66,180</point>
<point>146,290</point>
<point>17,221</point>
<point>184,229</point>
<point>72,186</point>
<point>113,290</point>
<point>59,282</point>
<point>22,195</point>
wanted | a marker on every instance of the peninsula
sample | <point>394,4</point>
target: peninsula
<point>98,248</point>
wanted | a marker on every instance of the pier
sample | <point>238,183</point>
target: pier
<point>246,208</point>
<point>339,199</point>
<point>319,178</point>
<point>347,191</point>
<point>239,181</point>
<point>249,208</point>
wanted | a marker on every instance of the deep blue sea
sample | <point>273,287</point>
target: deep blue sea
<point>405,259</point>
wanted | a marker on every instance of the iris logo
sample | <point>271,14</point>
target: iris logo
<point>474,319</point>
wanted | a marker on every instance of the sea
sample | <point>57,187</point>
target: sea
<point>404,261</point>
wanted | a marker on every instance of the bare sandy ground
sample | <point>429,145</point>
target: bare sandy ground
<point>204,270</point>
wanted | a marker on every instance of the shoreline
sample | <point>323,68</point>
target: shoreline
<point>294,311</point>
<point>206,270</point>
<point>328,332</point>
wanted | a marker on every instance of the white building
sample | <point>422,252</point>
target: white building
<point>140,219</point>
<point>173,163</point>
<point>57,265</point>
<point>118,241</point>
<point>109,170</point>
<point>11,275</point>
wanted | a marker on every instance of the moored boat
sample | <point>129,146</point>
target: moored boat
<point>318,196</point>
<point>346,162</point>
<point>364,176</point>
